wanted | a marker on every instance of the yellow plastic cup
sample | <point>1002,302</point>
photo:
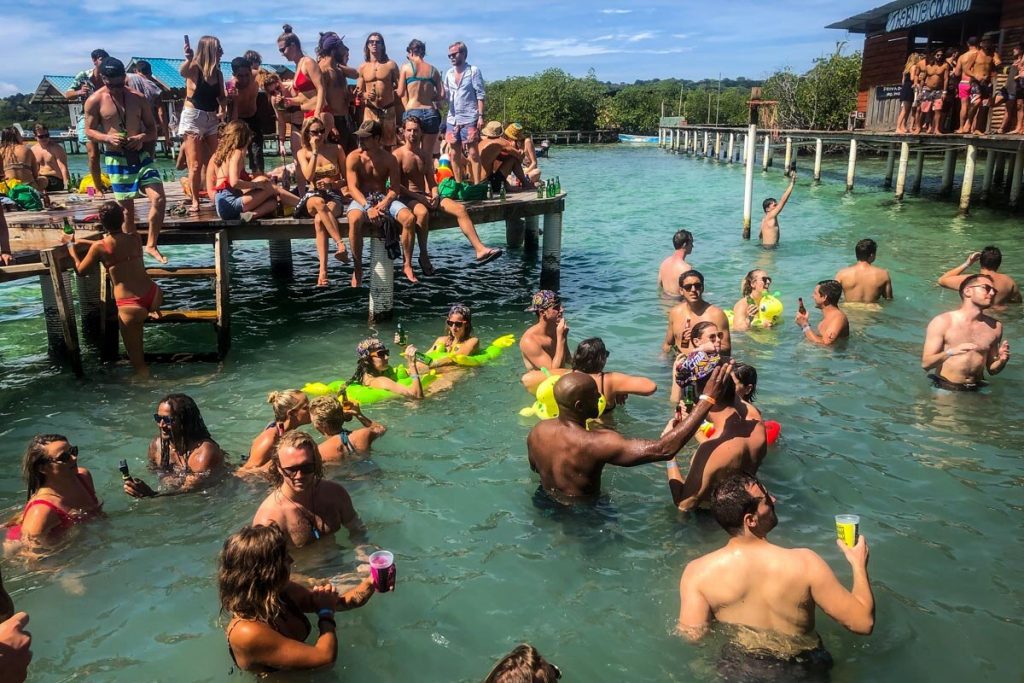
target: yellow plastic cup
<point>848,529</point>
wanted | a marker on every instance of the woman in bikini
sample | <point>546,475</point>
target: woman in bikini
<point>183,453</point>
<point>329,415</point>
<point>205,103</point>
<point>17,160</point>
<point>459,340</point>
<point>419,87</point>
<point>268,626</point>
<point>137,296</point>
<point>591,357</point>
<point>755,285</point>
<point>373,369</point>
<point>60,493</point>
<point>321,164</point>
<point>308,84</point>
<point>289,117</point>
<point>236,195</point>
<point>291,410</point>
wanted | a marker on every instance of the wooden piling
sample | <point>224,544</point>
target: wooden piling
<point>901,177</point>
<point>948,170</point>
<point>718,146</point>
<point>515,231</point>
<point>748,178</point>
<point>61,330</point>
<point>919,174</point>
<point>732,146</point>
<point>88,285</point>
<point>766,160</point>
<point>550,269</point>
<point>818,148</point>
<point>110,327</point>
<point>789,153</point>
<point>851,166</point>
<point>281,258</point>
<point>986,178</point>
<point>968,181</point>
<point>890,164</point>
<point>531,239</point>
<point>999,177</point>
<point>222,291</point>
<point>382,281</point>
<point>1015,178</point>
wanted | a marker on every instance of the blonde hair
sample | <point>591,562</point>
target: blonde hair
<point>265,78</point>
<point>302,441</point>
<point>327,415</point>
<point>284,402</point>
<point>253,572</point>
<point>746,287</point>
<point>207,58</point>
<point>236,135</point>
<point>913,59</point>
<point>523,665</point>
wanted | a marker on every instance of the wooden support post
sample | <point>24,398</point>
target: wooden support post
<point>382,281</point>
<point>901,177</point>
<point>999,177</point>
<point>789,153</point>
<point>718,145</point>
<point>767,154</point>
<point>851,166</point>
<point>732,147</point>
<point>986,178</point>
<point>222,291</point>
<point>948,170</point>
<point>919,174</point>
<point>551,253</point>
<point>818,149</point>
<point>748,178</point>
<point>61,330</point>
<point>1015,178</point>
<point>890,163</point>
<point>515,231</point>
<point>968,181</point>
<point>661,137</point>
<point>280,258</point>
<point>110,326</point>
<point>531,241</point>
<point>90,306</point>
<point>742,154</point>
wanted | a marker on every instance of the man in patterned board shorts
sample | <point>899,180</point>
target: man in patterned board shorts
<point>122,121</point>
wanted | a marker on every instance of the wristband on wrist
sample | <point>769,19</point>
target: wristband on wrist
<point>705,397</point>
<point>949,353</point>
<point>806,328</point>
<point>672,465</point>
<point>325,613</point>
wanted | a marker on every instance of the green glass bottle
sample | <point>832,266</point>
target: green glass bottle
<point>67,227</point>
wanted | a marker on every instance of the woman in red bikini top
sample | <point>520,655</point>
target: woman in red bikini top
<point>60,493</point>
<point>308,83</point>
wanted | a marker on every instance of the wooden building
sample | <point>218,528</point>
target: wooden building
<point>894,31</point>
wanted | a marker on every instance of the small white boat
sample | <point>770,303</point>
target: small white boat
<point>638,139</point>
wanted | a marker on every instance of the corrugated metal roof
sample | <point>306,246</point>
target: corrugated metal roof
<point>165,71</point>
<point>52,88</point>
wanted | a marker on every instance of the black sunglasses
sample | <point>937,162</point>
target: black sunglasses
<point>456,323</point>
<point>767,280</point>
<point>383,353</point>
<point>453,55</point>
<point>163,419</point>
<point>43,136</point>
<point>692,286</point>
<point>304,468</point>
<point>67,456</point>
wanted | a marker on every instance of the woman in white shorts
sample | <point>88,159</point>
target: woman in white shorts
<point>205,102</point>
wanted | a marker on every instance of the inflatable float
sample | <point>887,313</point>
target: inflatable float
<point>493,350</point>
<point>545,406</point>
<point>769,312</point>
<point>362,394</point>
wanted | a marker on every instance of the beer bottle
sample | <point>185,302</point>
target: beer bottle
<point>502,195</point>
<point>400,338</point>
<point>67,227</point>
<point>540,190</point>
<point>690,396</point>
<point>802,308</point>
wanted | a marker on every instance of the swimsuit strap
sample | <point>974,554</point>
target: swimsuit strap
<point>345,440</point>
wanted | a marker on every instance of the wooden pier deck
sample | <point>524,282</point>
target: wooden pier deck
<point>36,243</point>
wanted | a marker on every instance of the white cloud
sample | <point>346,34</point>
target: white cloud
<point>616,11</point>
<point>681,36</point>
<point>8,89</point>
<point>564,47</point>
<point>646,35</point>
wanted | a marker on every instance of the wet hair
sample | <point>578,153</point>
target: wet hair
<point>991,258</point>
<point>236,135</point>
<point>831,290</point>
<point>682,238</point>
<point>767,204</point>
<point>143,67</point>
<point>35,455</point>
<point>207,58</point>
<point>188,427</point>
<point>254,59</point>
<point>747,286</point>
<point>383,48</point>
<point>748,376</point>
<point>691,273</point>
<point>240,64</point>
<point>98,54</point>
<point>253,573</point>
<point>972,41</point>
<point>590,355</point>
<point>326,414</point>
<point>971,280</point>
<point>522,665</point>
<point>111,216</point>
<point>865,249</point>
<point>417,48</point>
<point>731,502</point>
<point>698,330</point>
<point>459,309</point>
<point>728,387</point>
<point>284,402</point>
<point>289,38</point>
<point>302,441</point>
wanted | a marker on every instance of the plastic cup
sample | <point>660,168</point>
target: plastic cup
<point>382,569</point>
<point>848,529</point>
<point>91,191</point>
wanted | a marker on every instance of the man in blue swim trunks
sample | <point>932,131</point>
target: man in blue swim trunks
<point>367,172</point>
<point>85,84</point>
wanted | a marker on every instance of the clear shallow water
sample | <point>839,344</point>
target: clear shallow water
<point>937,479</point>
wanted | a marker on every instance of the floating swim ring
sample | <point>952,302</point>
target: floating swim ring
<point>545,407</point>
<point>493,350</point>
<point>363,394</point>
<point>769,311</point>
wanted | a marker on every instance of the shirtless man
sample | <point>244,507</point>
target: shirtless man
<point>419,193</point>
<point>242,91</point>
<point>303,504</point>
<point>990,258</point>
<point>976,68</point>
<point>935,72</point>
<point>570,459</point>
<point>52,161</point>
<point>737,444</point>
<point>545,346</point>
<point>367,169</point>
<point>675,265</point>
<point>142,82</point>
<point>960,345</point>
<point>769,233</point>
<point>335,72</point>
<point>85,84</point>
<point>834,325</point>
<point>123,122</point>
<point>769,593</point>
<point>864,282</point>
<point>691,310</point>
<point>378,81</point>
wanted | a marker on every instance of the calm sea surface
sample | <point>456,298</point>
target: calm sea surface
<point>936,478</point>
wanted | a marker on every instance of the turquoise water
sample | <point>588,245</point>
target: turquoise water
<point>936,478</point>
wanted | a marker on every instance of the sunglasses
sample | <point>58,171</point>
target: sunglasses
<point>453,55</point>
<point>383,353</point>
<point>558,672</point>
<point>43,136</point>
<point>316,131</point>
<point>67,456</point>
<point>374,42</point>
<point>303,468</point>
<point>765,279</point>
<point>693,286</point>
<point>284,49</point>
<point>163,419</point>
<point>456,323</point>
<point>716,335</point>
<point>988,288</point>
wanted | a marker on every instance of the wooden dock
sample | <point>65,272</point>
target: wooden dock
<point>36,243</point>
<point>1001,157</point>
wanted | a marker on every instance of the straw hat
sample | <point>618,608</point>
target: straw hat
<point>514,132</point>
<point>492,130</point>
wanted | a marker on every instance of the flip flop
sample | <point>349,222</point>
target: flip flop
<point>427,270</point>
<point>490,256</point>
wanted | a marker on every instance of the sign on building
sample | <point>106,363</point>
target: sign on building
<point>923,12</point>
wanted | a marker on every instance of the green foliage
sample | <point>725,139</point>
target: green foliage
<point>18,109</point>
<point>822,98</point>
<point>550,100</point>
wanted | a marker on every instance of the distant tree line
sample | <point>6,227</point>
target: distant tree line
<point>18,109</point>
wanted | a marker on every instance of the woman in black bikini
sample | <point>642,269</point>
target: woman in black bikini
<point>268,625</point>
<point>137,296</point>
<point>183,454</point>
<point>291,410</point>
<point>591,357</point>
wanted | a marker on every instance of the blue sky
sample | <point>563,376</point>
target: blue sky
<point>620,40</point>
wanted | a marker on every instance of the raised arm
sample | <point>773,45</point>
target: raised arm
<point>952,278</point>
<point>855,608</point>
<point>777,209</point>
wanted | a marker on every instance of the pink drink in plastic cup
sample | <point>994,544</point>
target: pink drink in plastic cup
<point>382,569</point>
<point>91,191</point>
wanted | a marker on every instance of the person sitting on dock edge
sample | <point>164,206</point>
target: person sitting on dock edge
<point>769,233</point>
<point>500,158</point>
<point>545,346</point>
<point>834,324</point>
<point>691,310</point>
<point>864,282</point>
<point>675,265</point>
<point>970,336</point>
<point>123,122</point>
<point>990,258</point>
